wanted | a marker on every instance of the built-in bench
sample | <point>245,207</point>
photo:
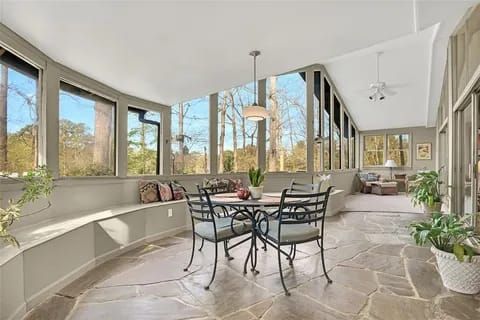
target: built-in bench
<point>56,251</point>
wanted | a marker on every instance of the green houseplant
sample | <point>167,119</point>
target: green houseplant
<point>256,177</point>
<point>458,265</point>
<point>37,183</point>
<point>425,191</point>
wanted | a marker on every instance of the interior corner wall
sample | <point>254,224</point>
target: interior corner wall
<point>418,135</point>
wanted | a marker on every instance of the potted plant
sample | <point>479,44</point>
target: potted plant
<point>256,178</point>
<point>37,183</point>
<point>425,191</point>
<point>458,264</point>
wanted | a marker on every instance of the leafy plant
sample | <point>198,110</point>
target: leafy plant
<point>446,232</point>
<point>256,177</point>
<point>426,188</point>
<point>37,183</point>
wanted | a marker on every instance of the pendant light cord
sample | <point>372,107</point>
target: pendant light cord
<point>255,79</point>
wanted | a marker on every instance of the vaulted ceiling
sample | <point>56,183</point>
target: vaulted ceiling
<point>170,51</point>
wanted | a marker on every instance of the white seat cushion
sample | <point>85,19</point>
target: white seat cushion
<point>224,228</point>
<point>290,232</point>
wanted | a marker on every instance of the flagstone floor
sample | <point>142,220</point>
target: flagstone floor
<point>377,274</point>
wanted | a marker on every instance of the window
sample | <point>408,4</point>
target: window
<point>190,142</point>
<point>398,148</point>
<point>237,138</point>
<point>286,127</point>
<point>327,146</point>
<point>19,116</point>
<point>354,147</point>
<point>317,123</point>
<point>346,126</point>
<point>336,133</point>
<point>143,142</point>
<point>87,133</point>
<point>373,150</point>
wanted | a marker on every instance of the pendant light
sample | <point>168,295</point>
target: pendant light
<point>255,112</point>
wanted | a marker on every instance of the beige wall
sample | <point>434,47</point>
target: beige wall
<point>418,135</point>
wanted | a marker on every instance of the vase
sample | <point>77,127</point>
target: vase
<point>256,192</point>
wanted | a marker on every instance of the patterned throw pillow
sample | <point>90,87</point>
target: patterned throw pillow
<point>165,192</point>
<point>177,190</point>
<point>148,191</point>
<point>234,185</point>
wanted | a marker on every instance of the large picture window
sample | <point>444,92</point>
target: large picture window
<point>190,142</point>
<point>346,151</point>
<point>286,127</point>
<point>317,123</point>
<point>327,146</point>
<point>237,138</point>
<point>337,134</point>
<point>19,117</point>
<point>143,142</point>
<point>87,133</point>
<point>398,149</point>
<point>373,150</point>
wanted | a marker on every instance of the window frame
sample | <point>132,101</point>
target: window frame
<point>78,83</point>
<point>141,113</point>
<point>385,148</point>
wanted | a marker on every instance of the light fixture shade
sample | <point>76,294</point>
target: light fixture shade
<point>391,164</point>
<point>255,113</point>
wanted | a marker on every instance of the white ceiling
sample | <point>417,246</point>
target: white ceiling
<point>170,51</point>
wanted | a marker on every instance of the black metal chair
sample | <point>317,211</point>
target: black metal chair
<point>222,211</point>
<point>297,214</point>
<point>211,226</point>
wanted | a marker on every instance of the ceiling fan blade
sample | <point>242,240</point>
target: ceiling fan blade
<point>397,85</point>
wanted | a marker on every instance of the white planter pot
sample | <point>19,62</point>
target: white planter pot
<point>437,207</point>
<point>463,277</point>
<point>256,192</point>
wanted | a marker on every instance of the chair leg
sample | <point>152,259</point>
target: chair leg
<point>201,246</point>
<point>193,252</point>
<point>207,287</point>
<point>323,264</point>
<point>225,248</point>
<point>287,293</point>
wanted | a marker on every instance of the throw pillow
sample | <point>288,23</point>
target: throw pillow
<point>148,190</point>
<point>165,191</point>
<point>324,181</point>
<point>178,190</point>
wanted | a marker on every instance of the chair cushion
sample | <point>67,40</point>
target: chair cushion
<point>224,230</point>
<point>290,232</point>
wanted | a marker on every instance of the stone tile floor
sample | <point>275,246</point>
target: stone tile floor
<point>377,272</point>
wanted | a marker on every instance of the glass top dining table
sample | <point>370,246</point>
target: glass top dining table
<point>255,210</point>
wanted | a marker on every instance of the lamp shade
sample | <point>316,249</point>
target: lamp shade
<point>391,164</point>
<point>255,113</point>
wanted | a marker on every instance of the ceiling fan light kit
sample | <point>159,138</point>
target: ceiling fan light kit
<point>378,87</point>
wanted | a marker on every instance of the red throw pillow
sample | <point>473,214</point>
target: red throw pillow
<point>165,191</point>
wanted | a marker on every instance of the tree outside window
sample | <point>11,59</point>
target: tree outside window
<point>237,137</point>
<point>373,150</point>
<point>19,119</point>
<point>286,127</point>
<point>86,133</point>
<point>143,138</point>
<point>398,146</point>
<point>190,137</point>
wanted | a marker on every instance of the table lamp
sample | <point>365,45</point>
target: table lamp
<point>391,164</point>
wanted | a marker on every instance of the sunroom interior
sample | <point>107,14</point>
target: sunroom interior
<point>152,152</point>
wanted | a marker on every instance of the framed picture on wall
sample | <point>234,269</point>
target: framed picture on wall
<point>424,151</point>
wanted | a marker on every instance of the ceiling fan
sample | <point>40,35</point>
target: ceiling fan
<point>379,89</point>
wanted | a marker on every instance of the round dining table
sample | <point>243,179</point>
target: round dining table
<point>253,209</point>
